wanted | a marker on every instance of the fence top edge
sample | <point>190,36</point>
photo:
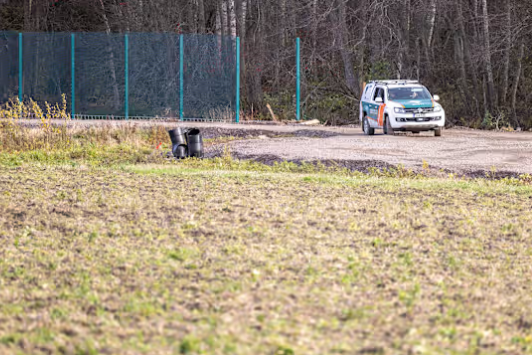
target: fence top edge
<point>211,35</point>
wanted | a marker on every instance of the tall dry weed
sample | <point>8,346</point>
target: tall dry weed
<point>221,115</point>
<point>17,135</point>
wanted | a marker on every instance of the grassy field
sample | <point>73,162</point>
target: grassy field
<point>107,247</point>
<point>169,259</point>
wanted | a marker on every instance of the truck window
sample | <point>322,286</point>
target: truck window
<point>379,92</point>
<point>409,93</point>
<point>366,92</point>
<point>376,93</point>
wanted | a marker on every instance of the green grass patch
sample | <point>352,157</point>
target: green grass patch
<point>221,256</point>
<point>107,246</point>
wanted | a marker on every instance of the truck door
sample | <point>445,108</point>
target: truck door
<point>375,108</point>
<point>380,108</point>
<point>366,101</point>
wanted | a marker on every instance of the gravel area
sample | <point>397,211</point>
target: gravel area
<point>464,151</point>
<point>468,152</point>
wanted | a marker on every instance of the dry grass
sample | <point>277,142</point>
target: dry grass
<point>166,259</point>
<point>15,136</point>
<point>221,115</point>
<point>108,247</point>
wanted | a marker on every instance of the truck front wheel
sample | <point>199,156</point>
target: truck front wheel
<point>368,130</point>
<point>388,127</point>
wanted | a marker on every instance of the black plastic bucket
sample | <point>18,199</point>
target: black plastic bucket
<point>195,143</point>
<point>179,143</point>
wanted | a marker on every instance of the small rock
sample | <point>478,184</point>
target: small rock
<point>310,122</point>
<point>262,137</point>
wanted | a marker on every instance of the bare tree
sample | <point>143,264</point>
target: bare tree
<point>111,55</point>
<point>507,50</point>
<point>474,53</point>
<point>491,94</point>
<point>517,78</point>
<point>342,39</point>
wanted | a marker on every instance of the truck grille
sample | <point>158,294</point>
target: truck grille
<point>419,110</point>
<point>420,119</point>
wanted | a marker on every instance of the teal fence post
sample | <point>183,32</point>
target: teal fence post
<point>181,76</point>
<point>126,45</point>
<point>237,79</point>
<point>73,77</point>
<point>298,79</point>
<point>20,67</point>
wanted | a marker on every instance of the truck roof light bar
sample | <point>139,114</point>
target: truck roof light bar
<point>395,82</point>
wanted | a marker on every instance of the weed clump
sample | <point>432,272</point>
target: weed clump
<point>16,135</point>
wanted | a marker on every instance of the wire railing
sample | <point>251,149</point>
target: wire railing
<point>131,76</point>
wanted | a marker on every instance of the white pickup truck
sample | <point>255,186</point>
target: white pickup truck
<point>400,105</point>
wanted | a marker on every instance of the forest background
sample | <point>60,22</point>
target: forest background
<point>475,54</point>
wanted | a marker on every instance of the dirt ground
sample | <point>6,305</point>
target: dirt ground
<point>109,247</point>
<point>163,259</point>
<point>466,151</point>
<point>460,150</point>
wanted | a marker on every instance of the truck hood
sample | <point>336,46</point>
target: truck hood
<point>415,103</point>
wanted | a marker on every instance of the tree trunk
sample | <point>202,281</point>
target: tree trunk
<point>343,42</point>
<point>201,16</point>
<point>467,57</point>
<point>228,10</point>
<point>485,95</point>
<point>507,50</point>
<point>28,7</point>
<point>190,19</point>
<point>280,39</point>
<point>517,78</point>
<point>462,87</point>
<point>362,48</point>
<point>116,95</point>
<point>491,94</point>
<point>221,17</point>
<point>418,59</point>
<point>238,15</point>
<point>315,22</point>
<point>460,50</point>
<point>432,24</point>
<point>124,22</point>
<point>282,21</point>
<point>255,45</point>
<point>406,52</point>
<point>140,19</point>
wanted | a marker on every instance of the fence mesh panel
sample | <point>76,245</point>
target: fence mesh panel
<point>209,75</point>
<point>8,65</point>
<point>100,74</point>
<point>154,74</point>
<point>45,66</point>
<point>152,80</point>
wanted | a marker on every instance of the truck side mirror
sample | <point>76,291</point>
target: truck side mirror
<point>436,98</point>
<point>379,100</point>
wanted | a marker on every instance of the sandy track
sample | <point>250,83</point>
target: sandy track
<point>459,150</point>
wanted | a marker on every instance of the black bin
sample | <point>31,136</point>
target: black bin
<point>195,143</point>
<point>179,143</point>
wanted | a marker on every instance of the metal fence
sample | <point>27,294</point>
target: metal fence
<point>134,75</point>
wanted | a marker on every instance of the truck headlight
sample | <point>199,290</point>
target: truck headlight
<point>437,109</point>
<point>399,110</point>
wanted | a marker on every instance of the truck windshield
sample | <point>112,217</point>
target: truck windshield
<point>409,93</point>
